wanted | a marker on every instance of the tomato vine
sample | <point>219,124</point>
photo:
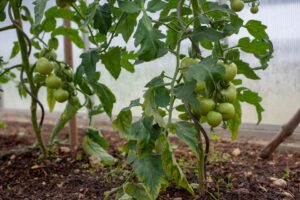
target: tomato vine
<point>204,87</point>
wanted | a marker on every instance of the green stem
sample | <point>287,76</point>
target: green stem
<point>201,164</point>
<point>172,93</point>
<point>201,154</point>
<point>26,67</point>
<point>7,28</point>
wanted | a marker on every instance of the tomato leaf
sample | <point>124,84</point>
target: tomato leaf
<point>187,133</point>
<point>96,136</point>
<point>127,25</point>
<point>150,172</point>
<point>92,148</point>
<point>39,8</point>
<point>89,61</point>
<point>70,33</point>
<point>257,29</point>
<point>206,33</point>
<point>112,61</point>
<point>137,191</point>
<point>123,122</point>
<point>171,167</point>
<point>103,18</point>
<point>250,97</point>
<point>129,6</point>
<point>155,5</point>
<point>148,38</point>
<point>106,97</point>
<point>3,4</point>
<point>151,109</point>
<point>246,70</point>
<point>15,50</point>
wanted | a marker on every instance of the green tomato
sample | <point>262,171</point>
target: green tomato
<point>43,66</point>
<point>214,118</point>
<point>74,100</point>
<point>206,105</point>
<point>237,5</point>
<point>230,73</point>
<point>53,82</point>
<point>61,95</point>
<point>227,110</point>
<point>200,87</point>
<point>254,9</point>
<point>229,93</point>
<point>69,74</point>
<point>187,61</point>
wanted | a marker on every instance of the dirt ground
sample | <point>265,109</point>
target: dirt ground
<point>235,171</point>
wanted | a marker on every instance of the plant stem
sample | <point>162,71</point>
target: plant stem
<point>201,165</point>
<point>26,68</point>
<point>7,28</point>
<point>172,95</point>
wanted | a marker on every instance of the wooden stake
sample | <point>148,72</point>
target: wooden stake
<point>73,135</point>
<point>286,131</point>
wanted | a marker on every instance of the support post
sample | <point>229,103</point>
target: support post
<point>73,135</point>
<point>286,131</point>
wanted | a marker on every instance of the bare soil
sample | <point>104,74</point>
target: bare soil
<point>232,174</point>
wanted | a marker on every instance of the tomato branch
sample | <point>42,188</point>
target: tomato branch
<point>7,28</point>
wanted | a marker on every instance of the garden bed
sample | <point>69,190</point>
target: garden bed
<point>232,174</point>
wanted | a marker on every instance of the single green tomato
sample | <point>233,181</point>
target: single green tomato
<point>206,105</point>
<point>200,87</point>
<point>230,72</point>
<point>229,93</point>
<point>187,61</point>
<point>237,5</point>
<point>254,9</point>
<point>227,110</point>
<point>61,95</point>
<point>53,82</point>
<point>43,66</point>
<point>214,118</point>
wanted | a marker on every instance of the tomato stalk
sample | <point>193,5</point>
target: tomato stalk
<point>201,157</point>
<point>26,68</point>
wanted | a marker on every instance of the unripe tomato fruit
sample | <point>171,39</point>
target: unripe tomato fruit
<point>214,118</point>
<point>69,74</point>
<point>229,94</point>
<point>231,71</point>
<point>61,95</point>
<point>206,105</point>
<point>254,9</point>
<point>237,5</point>
<point>74,100</point>
<point>200,87</point>
<point>187,61</point>
<point>227,110</point>
<point>43,66</point>
<point>53,82</point>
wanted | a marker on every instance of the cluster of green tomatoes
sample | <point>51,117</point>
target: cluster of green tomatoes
<point>215,106</point>
<point>56,75</point>
<point>238,5</point>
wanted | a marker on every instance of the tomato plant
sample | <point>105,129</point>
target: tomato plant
<point>204,88</point>
<point>101,22</point>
